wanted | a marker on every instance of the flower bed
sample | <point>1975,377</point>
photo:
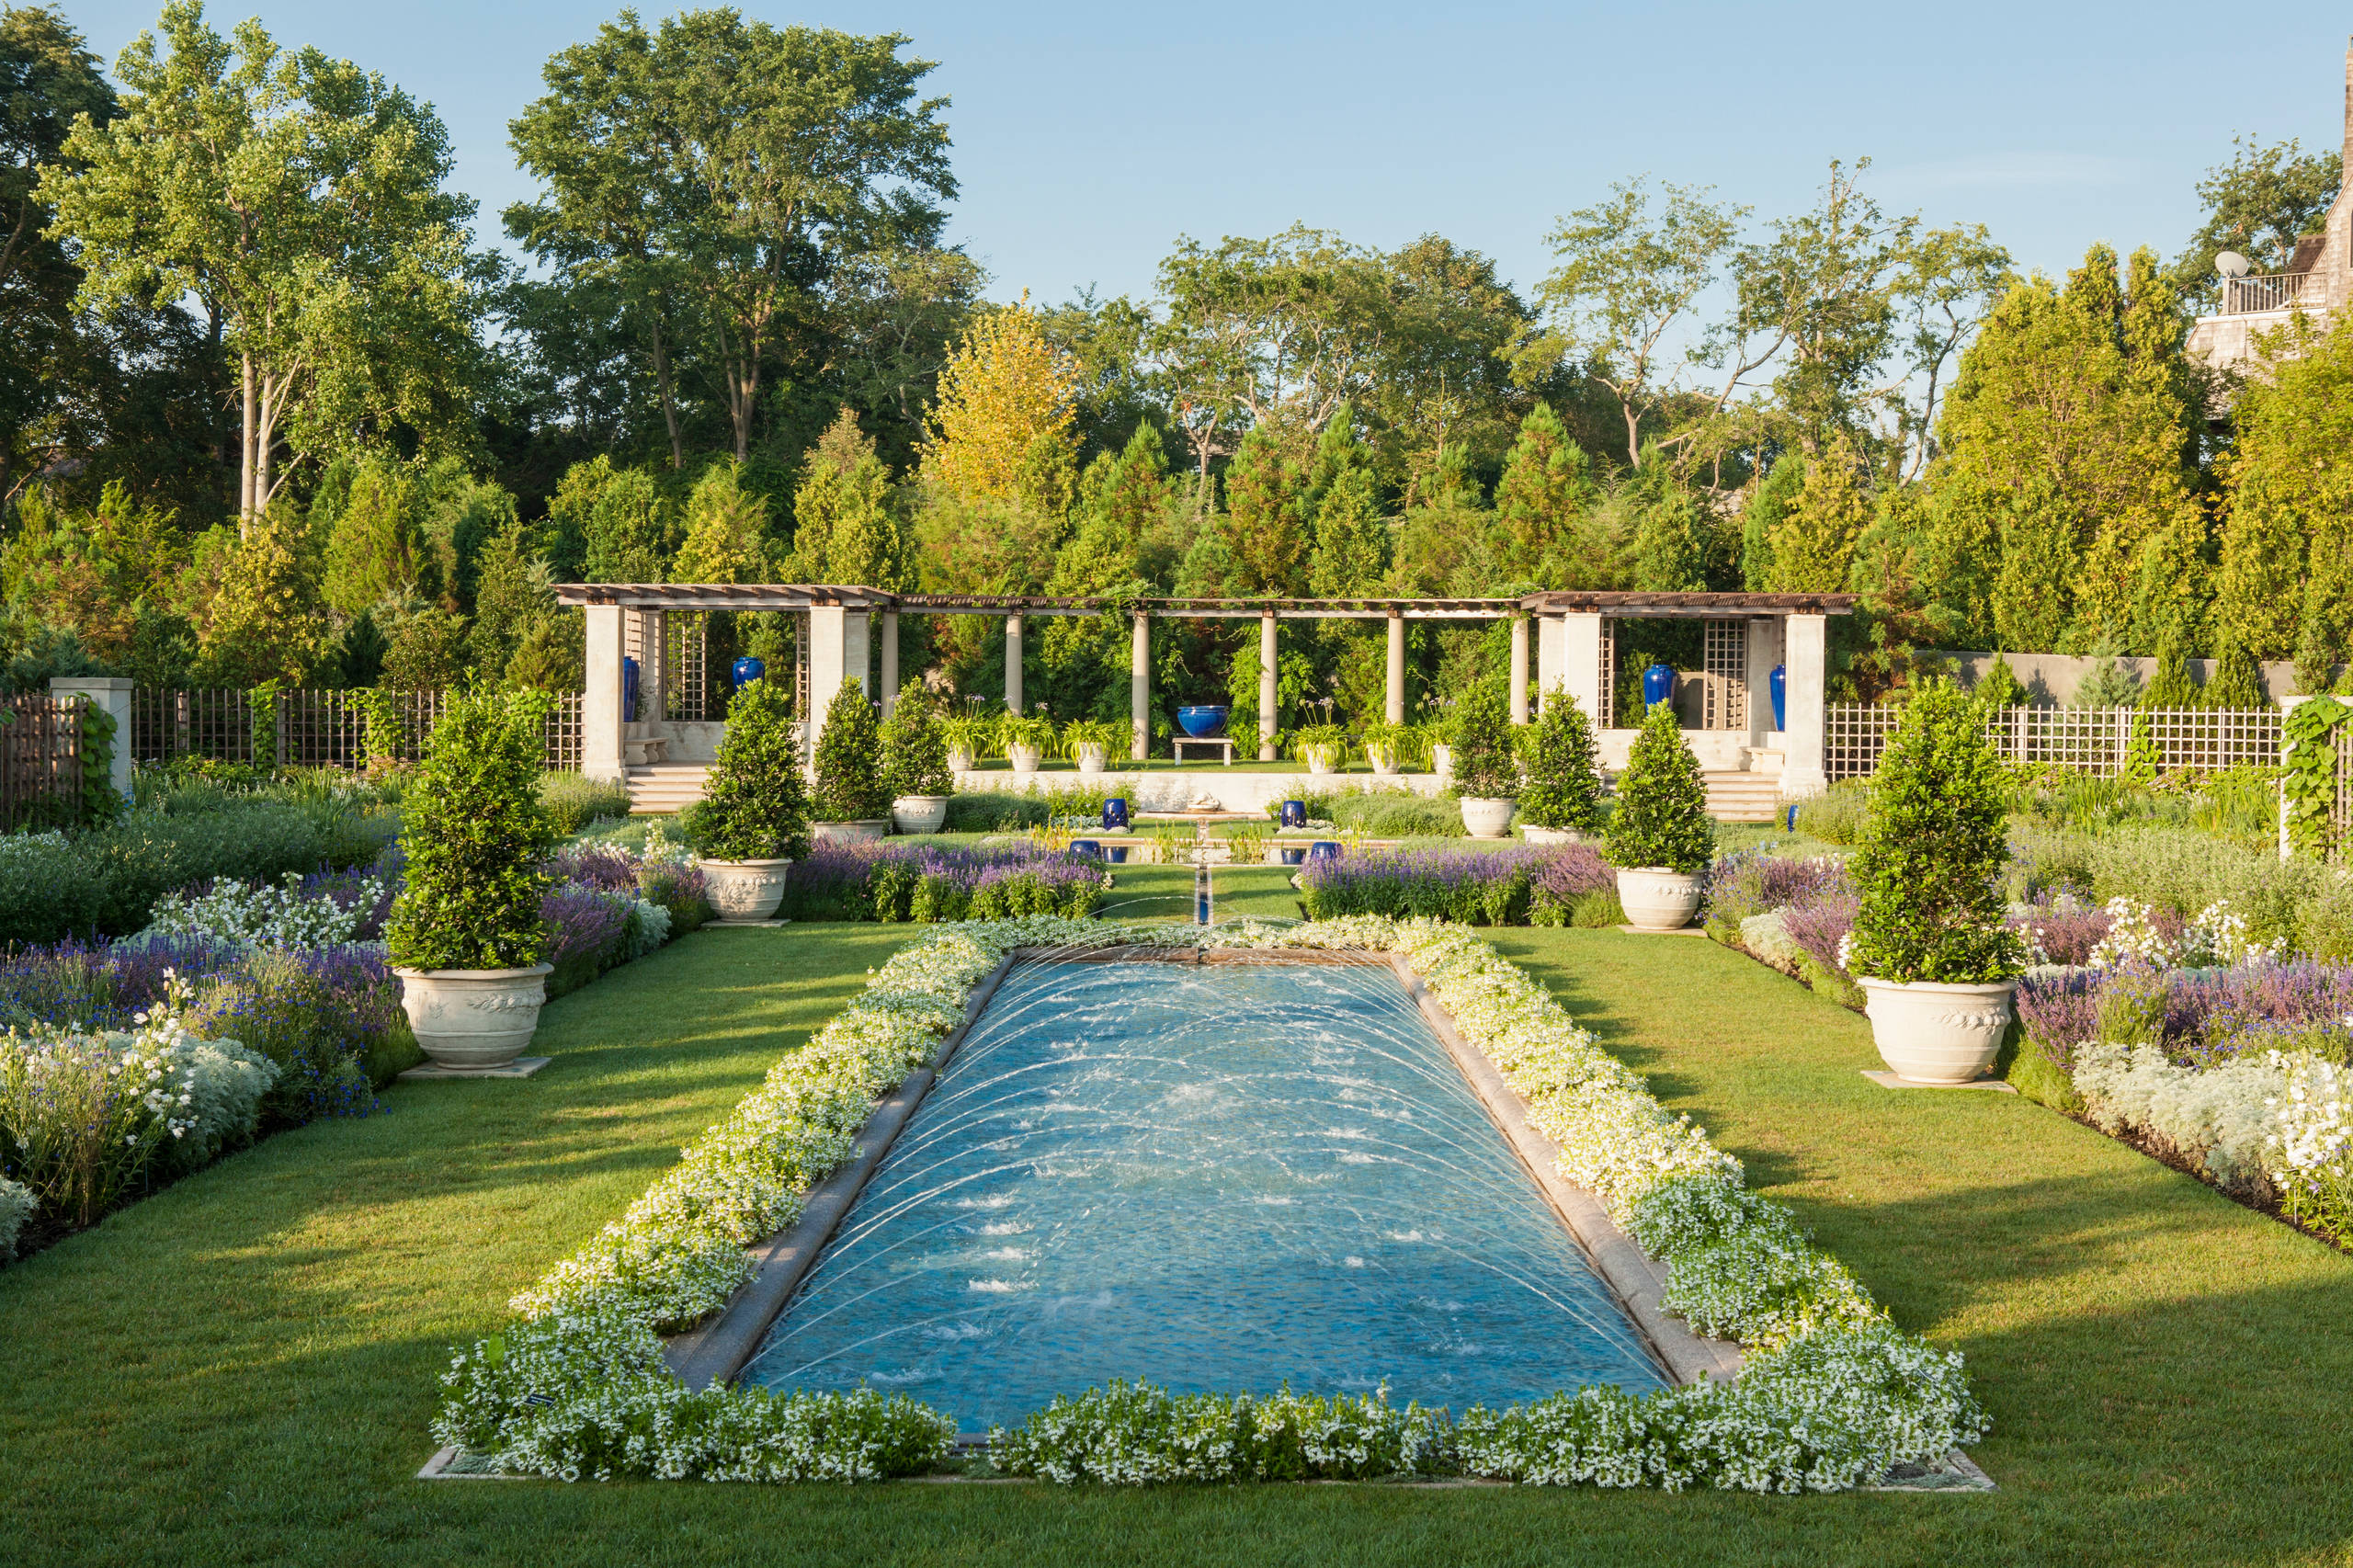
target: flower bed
<point>288,975</point>
<point>1567,885</point>
<point>1831,1394</point>
<point>928,884</point>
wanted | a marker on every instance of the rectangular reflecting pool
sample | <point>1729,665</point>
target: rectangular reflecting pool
<point>1218,1178</point>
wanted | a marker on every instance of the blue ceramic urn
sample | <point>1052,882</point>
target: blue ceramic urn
<point>1115,814</point>
<point>1323,849</point>
<point>629,690</point>
<point>1779,683</point>
<point>746,670</point>
<point>1087,847</point>
<point>1658,685</point>
<point>1294,813</point>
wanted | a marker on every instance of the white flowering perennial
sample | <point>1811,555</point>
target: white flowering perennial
<point>2308,1152</point>
<point>2217,939</point>
<point>1831,1394</point>
<point>16,1205</point>
<point>260,914</point>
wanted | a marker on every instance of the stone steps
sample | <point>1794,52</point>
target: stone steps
<point>664,786</point>
<point>1742,797</point>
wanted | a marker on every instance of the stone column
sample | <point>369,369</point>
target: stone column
<point>890,661</point>
<point>858,651</point>
<point>1013,663</point>
<point>1763,651</point>
<point>1396,707</point>
<point>601,718</point>
<point>830,664</point>
<point>1267,686</point>
<point>1805,655</point>
<point>1140,686</point>
<point>1519,670</point>
<point>1581,665</point>
<point>1551,659</point>
<point>112,693</point>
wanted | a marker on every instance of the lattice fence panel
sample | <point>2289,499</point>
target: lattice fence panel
<point>1724,655</point>
<point>315,729</point>
<point>2341,817</point>
<point>41,760</point>
<point>2088,740</point>
<point>1609,719</point>
<point>565,732</point>
<point>1853,736</point>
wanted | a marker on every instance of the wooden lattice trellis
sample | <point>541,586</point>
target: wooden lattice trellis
<point>2089,740</point>
<point>1723,658</point>
<point>41,760</point>
<point>314,728</point>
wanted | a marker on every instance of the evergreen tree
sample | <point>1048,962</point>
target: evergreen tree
<point>1006,403</point>
<point>849,761</point>
<point>377,549</point>
<point>1564,779</point>
<point>1440,540</point>
<point>727,532</point>
<point>1542,503</point>
<point>512,592</point>
<point>1266,516</point>
<point>1661,818</point>
<point>845,529</point>
<point>2237,682</point>
<point>2107,684</point>
<point>2033,597</point>
<point>1668,554</point>
<point>628,529</point>
<point>1813,547</point>
<point>1998,686</point>
<point>2173,686</point>
<point>1765,510</point>
<point>2288,543</point>
<point>266,622</point>
<point>1351,539</point>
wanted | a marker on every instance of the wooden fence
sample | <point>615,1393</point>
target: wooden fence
<point>2089,740</point>
<point>41,761</point>
<point>312,729</point>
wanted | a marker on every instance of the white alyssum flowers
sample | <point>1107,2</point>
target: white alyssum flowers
<point>1832,1395</point>
<point>2308,1148</point>
<point>262,914</point>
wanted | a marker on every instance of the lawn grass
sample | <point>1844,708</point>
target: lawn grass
<point>239,1369</point>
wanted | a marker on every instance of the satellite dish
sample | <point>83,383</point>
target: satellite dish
<point>2231,264</point>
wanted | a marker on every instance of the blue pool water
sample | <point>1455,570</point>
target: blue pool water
<point>1216,1179</point>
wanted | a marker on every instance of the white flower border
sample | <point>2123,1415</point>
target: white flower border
<point>1831,1395</point>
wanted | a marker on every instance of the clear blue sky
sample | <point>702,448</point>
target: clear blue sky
<point>1088,137</point>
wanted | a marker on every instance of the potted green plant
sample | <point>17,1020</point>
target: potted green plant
<point>1438,741</point>
<point>851,803</point>
<point>1485,773</point>
<point>915,762</point>
<point>1659,836</point>
<point>1387,746</point>
<point>1088,742</point>
<point>1929,946</point>
<point>968,737</point>
<point>466,937</point>
<point>1560,798</point>
<point>1026,740</point>
<point>753,819</point>
<point>1324,748</point>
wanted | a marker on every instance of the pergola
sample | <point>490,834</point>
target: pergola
<point>1574,651</point>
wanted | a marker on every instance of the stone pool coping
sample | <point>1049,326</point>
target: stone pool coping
<point>718,1349</point>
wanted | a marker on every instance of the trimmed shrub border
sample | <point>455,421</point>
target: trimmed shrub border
<point>1830,1395</point>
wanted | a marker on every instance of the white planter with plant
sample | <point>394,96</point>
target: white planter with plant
<point>1660,837</point>
<point>1560,792</point>
<point>753,819</point>
<point>1485,774</point>
<point>1025,741</point>
<point>1386,747</point>
<point>1321,748</point>
<point>1087,742</point>
<point>1441,759</point>
<point>851,802</point>
<point>466,937</point>
<point>960,761</point>
<point>917,768</point>
<point>1929,947</point>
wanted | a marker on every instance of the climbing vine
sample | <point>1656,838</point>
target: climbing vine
<point>100,804</point>
<point>2311,783</point>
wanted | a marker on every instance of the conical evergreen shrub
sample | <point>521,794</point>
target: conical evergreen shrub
<point>915,752</point>
<point>754,807</point>
<point>476,836</point>
<point>1563,786</point>
<point>849,762</point>
<point>1661,813</point>
<point>1485,767</point>
<point>1931,850</point>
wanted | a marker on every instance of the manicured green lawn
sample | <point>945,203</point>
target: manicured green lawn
<point>240,1369</point>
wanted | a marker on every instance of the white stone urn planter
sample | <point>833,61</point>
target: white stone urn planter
<point>745,890</point>
<point>1442,761</point>
<point>861,830</point>
<point>1383,758</point>
<point>1656,899</point>
<point>1024,758</point>
<point>1483,817</point>
<point>958,761</point>
<point>474,1019</point>
<point>1323,759</point>
<point>919,813</point>
<point>1090,758</point>
<point>1535,834</point>
<point>1935,1032</point>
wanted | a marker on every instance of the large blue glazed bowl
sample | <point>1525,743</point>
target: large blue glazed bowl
<point>1202,722</point>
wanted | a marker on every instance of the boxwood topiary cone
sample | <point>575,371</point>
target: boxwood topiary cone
<point>1662,814</point>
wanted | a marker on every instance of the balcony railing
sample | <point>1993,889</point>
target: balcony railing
<point>2263,292</point>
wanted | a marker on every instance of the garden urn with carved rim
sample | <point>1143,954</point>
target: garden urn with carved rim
<point>1656,898</point>
<point>474,1019</point>
<point>1935,1032</point>
<point>744,889</point>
